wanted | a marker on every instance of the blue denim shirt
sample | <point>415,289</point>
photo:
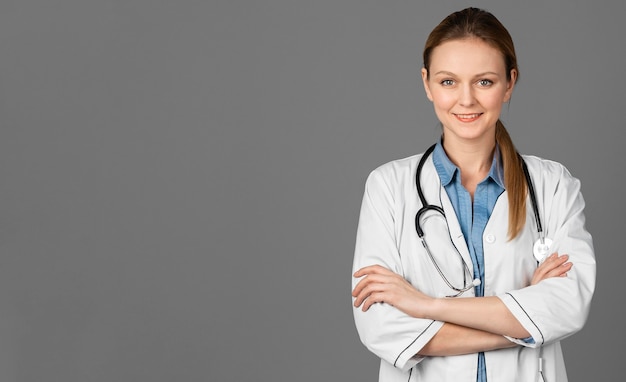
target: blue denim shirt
<point>472,217</point>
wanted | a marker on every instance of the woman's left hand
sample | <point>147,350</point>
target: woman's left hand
<point>554,265</point>
<point>382,285</point>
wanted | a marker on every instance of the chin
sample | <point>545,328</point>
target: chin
<point>467,132</point>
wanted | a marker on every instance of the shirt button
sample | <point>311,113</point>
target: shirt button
<point>490,238</point>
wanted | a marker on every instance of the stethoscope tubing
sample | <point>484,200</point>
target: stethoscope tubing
<point>533,198</point>
<point>431,207</point>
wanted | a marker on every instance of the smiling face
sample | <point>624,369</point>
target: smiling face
<point>468,85</point>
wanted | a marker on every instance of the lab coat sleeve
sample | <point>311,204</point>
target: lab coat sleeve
<point>386,331</point>
<point>558,307</point>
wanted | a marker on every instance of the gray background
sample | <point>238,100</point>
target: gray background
<point>180,180</point>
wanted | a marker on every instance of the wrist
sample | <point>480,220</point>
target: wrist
<point>431,308</point>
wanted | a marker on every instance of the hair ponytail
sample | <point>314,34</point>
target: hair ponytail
<point>514,180</point>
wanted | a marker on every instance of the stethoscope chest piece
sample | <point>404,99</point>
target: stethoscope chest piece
<point>541,250</point>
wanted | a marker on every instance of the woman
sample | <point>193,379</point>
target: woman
<point>415,303</point>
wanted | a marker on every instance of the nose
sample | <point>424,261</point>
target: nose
<point>466,96</point>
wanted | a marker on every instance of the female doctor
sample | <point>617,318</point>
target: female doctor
<point>472,262</point>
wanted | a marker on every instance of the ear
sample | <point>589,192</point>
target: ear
<point>510,86</point>
<point>426,85</point>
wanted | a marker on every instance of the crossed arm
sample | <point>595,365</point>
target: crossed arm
<point>471,325</point>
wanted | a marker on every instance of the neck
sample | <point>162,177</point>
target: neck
<point>472,158</point>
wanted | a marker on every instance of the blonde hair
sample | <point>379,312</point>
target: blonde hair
<point>514,181</point>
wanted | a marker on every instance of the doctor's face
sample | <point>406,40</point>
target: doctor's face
<point>468,85</point>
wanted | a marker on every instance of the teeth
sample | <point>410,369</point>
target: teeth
<point>468,116</point>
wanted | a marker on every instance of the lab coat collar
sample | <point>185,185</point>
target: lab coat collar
<point>448,171</point>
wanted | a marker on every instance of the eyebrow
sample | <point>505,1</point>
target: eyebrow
<point>444,72</point>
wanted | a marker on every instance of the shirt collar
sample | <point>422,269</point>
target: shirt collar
<point>448,170</point>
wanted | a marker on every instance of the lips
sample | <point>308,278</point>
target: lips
<point>468,117</point>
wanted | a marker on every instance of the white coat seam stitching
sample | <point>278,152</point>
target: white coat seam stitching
<point>527,315</point>
<point>412,342</point>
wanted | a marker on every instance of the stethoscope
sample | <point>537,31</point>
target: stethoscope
<point>540,248</point>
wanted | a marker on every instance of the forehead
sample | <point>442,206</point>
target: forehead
<point>466,56</point>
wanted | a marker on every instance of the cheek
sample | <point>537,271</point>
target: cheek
<point>493,102</point>
<point>443,100</point>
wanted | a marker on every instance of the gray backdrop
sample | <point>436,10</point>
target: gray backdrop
<point>180,181</point>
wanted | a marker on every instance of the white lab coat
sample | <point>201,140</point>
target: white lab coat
<point>550,311</point>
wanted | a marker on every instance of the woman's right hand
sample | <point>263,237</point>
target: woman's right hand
<point>554,265</point>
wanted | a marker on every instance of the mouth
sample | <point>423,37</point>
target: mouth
<point>468,117</point>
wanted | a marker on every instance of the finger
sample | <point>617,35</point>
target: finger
<point>367,289</point>
<point>385,276</point>
<point>369,279</point>
<point>545,263</point>
<point>564,268</point>
<point>362,295</point>
<point>372,269</point>
<point>562,258</point>
<point>557,262</point>
<point>373,299</point>
<point>552,262</point>
<point>560,270</point>
<point>548,258</point>
<point>553,257</point>
<point>370,295</point>
<point>553,266</point>
<point>378,284</point>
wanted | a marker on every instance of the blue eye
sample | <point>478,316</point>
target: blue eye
<point>485,83</point>
<point>447,82</point>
